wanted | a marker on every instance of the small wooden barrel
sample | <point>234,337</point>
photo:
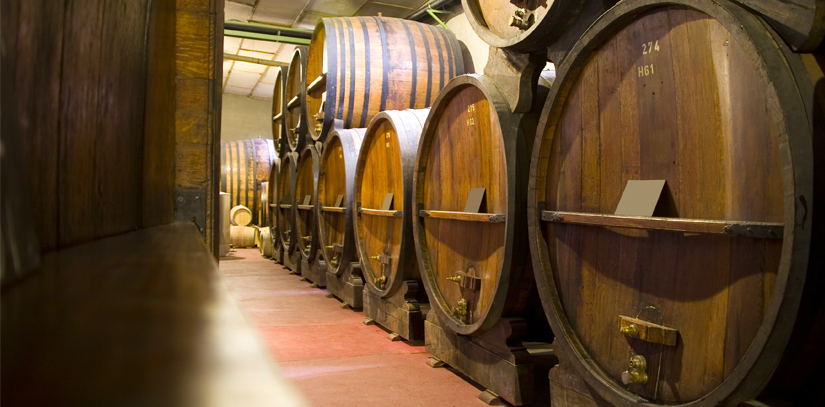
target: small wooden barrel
<point>265,242</point>
<point>702,297</point>
<point>296,104</point>
<point>472,246</point>
<point>240,216</point>
<point>244,165</point>
<point>272,188</point>
<point>385,166</point>
<point>224,247</point>
<point>242,236</point>
<point>286,201</point>
<point>359,66</point>
<point>306,195</point>
<point>526,26</point>
<point>335,198</point>
<point>278,109</point>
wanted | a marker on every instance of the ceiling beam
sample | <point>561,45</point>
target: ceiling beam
<point>251,60</point>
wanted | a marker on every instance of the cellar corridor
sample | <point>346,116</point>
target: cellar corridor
<point>327,352</point>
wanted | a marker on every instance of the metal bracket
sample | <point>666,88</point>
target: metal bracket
<point>190,206</point>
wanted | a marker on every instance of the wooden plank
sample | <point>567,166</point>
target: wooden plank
<point>143,317</point>
<point>379,212</point>
<point>473,217</point>
<point>306,207</point>
<point>319,82</point>
<point>768,230</point>
<point>341,209</point>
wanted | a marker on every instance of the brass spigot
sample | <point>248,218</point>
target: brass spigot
<point>630,330</point>
<point>456,279</point>
<point>379,280</point>
<point>635,374</point>
<point>522,20</point>
<point>461,308</point>
<point>375,257</point>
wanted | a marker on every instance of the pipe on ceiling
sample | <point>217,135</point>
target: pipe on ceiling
<point>421,15</point>
<point>251,60</point>
<point>265,32</point>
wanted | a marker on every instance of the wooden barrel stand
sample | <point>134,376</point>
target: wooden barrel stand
<point>308,247</point>
<point>474,262</point>
<point>335,212</point>
<point>707,290</point>
<point>394,296</point>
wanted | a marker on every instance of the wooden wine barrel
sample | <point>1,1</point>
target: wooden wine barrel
<point>296,103</point>
<point>705,291</point>
<point>244,165</point>
<point>306,195</point>
<point>263,211</point>
<point>473,257</point>
<point>359,66</point>
<point>526,26</point>
<point>801,23</point>
<point>278,109</point>
<point>272,188</point>
<point>385,166</point>
<point>242,236</point>
<point>335,198</point>
<point>240,216</point>
<point>286,201</point>
<point>265,242</point>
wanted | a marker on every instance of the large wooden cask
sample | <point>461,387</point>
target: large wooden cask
<point>336,198</point>
<point>472,259</point>
<point>529,26</point>
<point>286,201</point>
<point>272,187</point>
<point>359,66</point>
<point>306,195</point>
<point>801,23</point>
<point>296,107</point>
<point>385,174</point>
<point>265,242</point>
<point>244,165</point>
<point>278,109</point>
<point>694,305</point>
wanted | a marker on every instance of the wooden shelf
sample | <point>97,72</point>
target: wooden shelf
<point>286,206</point>
<point>306,207</point>
<point>337,209</point>
<point>277,117</point>
<point>143,318</point>
<point>319,82</point>
<point>273,205</point>
<point>294,102</point>
<point>465,216</point>
<point>379,212</point>
<point>720,227</point>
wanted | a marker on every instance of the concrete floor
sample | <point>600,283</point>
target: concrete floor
<point>328,353</point>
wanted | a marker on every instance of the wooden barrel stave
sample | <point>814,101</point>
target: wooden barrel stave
<point>306,185</point>
<point>720,128</point>
<point>374,64</point>
<point>244,165</point>
<point>286,201</point>
<point>263,210</point>
<point>295,102</point>
<point>385,165</point>
<point>337,177</point>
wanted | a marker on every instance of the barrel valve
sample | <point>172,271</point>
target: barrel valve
<point>523,19</point>
<point>319,127</point>
<point>375,257</point>
<point>635,373</point>
<point>379,281</point>
<point>456,279</point>
<point>461,308</point>
<point>306,238</point>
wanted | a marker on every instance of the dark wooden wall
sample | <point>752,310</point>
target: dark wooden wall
<point>116,105</point>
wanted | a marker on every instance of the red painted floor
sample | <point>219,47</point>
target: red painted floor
<point>328,353</point>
